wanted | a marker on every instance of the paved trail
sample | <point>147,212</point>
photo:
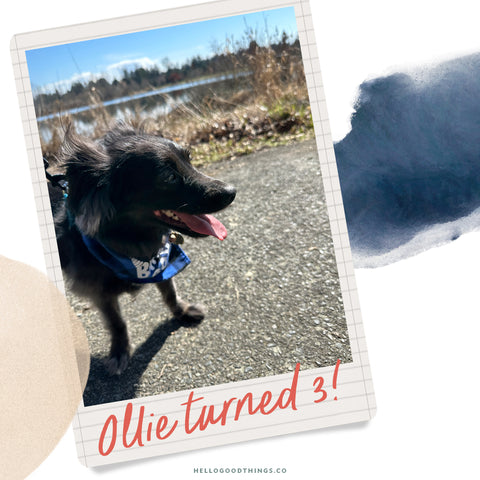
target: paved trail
<point>271,290</point>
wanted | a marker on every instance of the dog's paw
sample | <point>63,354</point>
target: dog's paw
<point>116,364</point>
<point>192,313</point>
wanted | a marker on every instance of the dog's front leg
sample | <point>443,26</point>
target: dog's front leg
<point>186,312</point>
<point>120,350</point>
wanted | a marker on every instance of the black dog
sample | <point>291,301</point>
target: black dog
<point>126,194</point>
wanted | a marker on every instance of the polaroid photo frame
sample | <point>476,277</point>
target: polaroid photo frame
<point>309,367</point>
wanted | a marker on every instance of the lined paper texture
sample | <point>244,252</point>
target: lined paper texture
<point>350,400</point>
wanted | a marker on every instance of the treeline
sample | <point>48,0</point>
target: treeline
<point>145,79</point>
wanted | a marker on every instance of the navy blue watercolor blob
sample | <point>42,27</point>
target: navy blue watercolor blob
<point>412,157</point>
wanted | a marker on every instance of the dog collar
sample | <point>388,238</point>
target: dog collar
<point>168,261</point>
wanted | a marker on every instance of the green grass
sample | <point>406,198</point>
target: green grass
<point>285,122</point>
<point>215,150</point>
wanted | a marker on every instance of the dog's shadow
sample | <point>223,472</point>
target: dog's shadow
<point>104,388</point>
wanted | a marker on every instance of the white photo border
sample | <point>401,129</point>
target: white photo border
<point>356,401</point>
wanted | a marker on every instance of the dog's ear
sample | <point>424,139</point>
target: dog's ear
<point>88,176</point>
<point>94,208</point>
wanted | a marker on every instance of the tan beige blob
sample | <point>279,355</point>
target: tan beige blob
<point>44,363</point>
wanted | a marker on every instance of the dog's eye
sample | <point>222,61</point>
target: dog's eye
<point>172,178</point>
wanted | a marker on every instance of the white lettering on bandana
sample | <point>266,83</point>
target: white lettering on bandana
<point>155,265</point>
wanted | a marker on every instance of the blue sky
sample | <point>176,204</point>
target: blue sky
<point>60,66</point>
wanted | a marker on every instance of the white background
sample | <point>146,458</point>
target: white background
<point>420,315</point>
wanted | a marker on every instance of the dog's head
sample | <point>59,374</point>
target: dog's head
<point>134,180</point>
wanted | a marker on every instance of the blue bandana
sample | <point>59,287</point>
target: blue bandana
<point>168,261</point>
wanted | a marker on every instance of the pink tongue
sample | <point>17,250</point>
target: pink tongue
<point>204,224</point>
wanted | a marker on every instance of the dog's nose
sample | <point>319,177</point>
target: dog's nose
<point>219,196</point>
<point>230,192</point>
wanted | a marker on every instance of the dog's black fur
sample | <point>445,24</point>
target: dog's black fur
<point>114,186</point>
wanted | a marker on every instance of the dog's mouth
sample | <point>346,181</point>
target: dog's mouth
<point>202,224</point>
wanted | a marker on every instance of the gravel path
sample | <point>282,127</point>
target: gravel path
<point>271,290</point>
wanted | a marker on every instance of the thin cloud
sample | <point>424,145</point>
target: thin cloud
<point>63,86</point>
<point>129,64</point>
<point>114,71</point>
